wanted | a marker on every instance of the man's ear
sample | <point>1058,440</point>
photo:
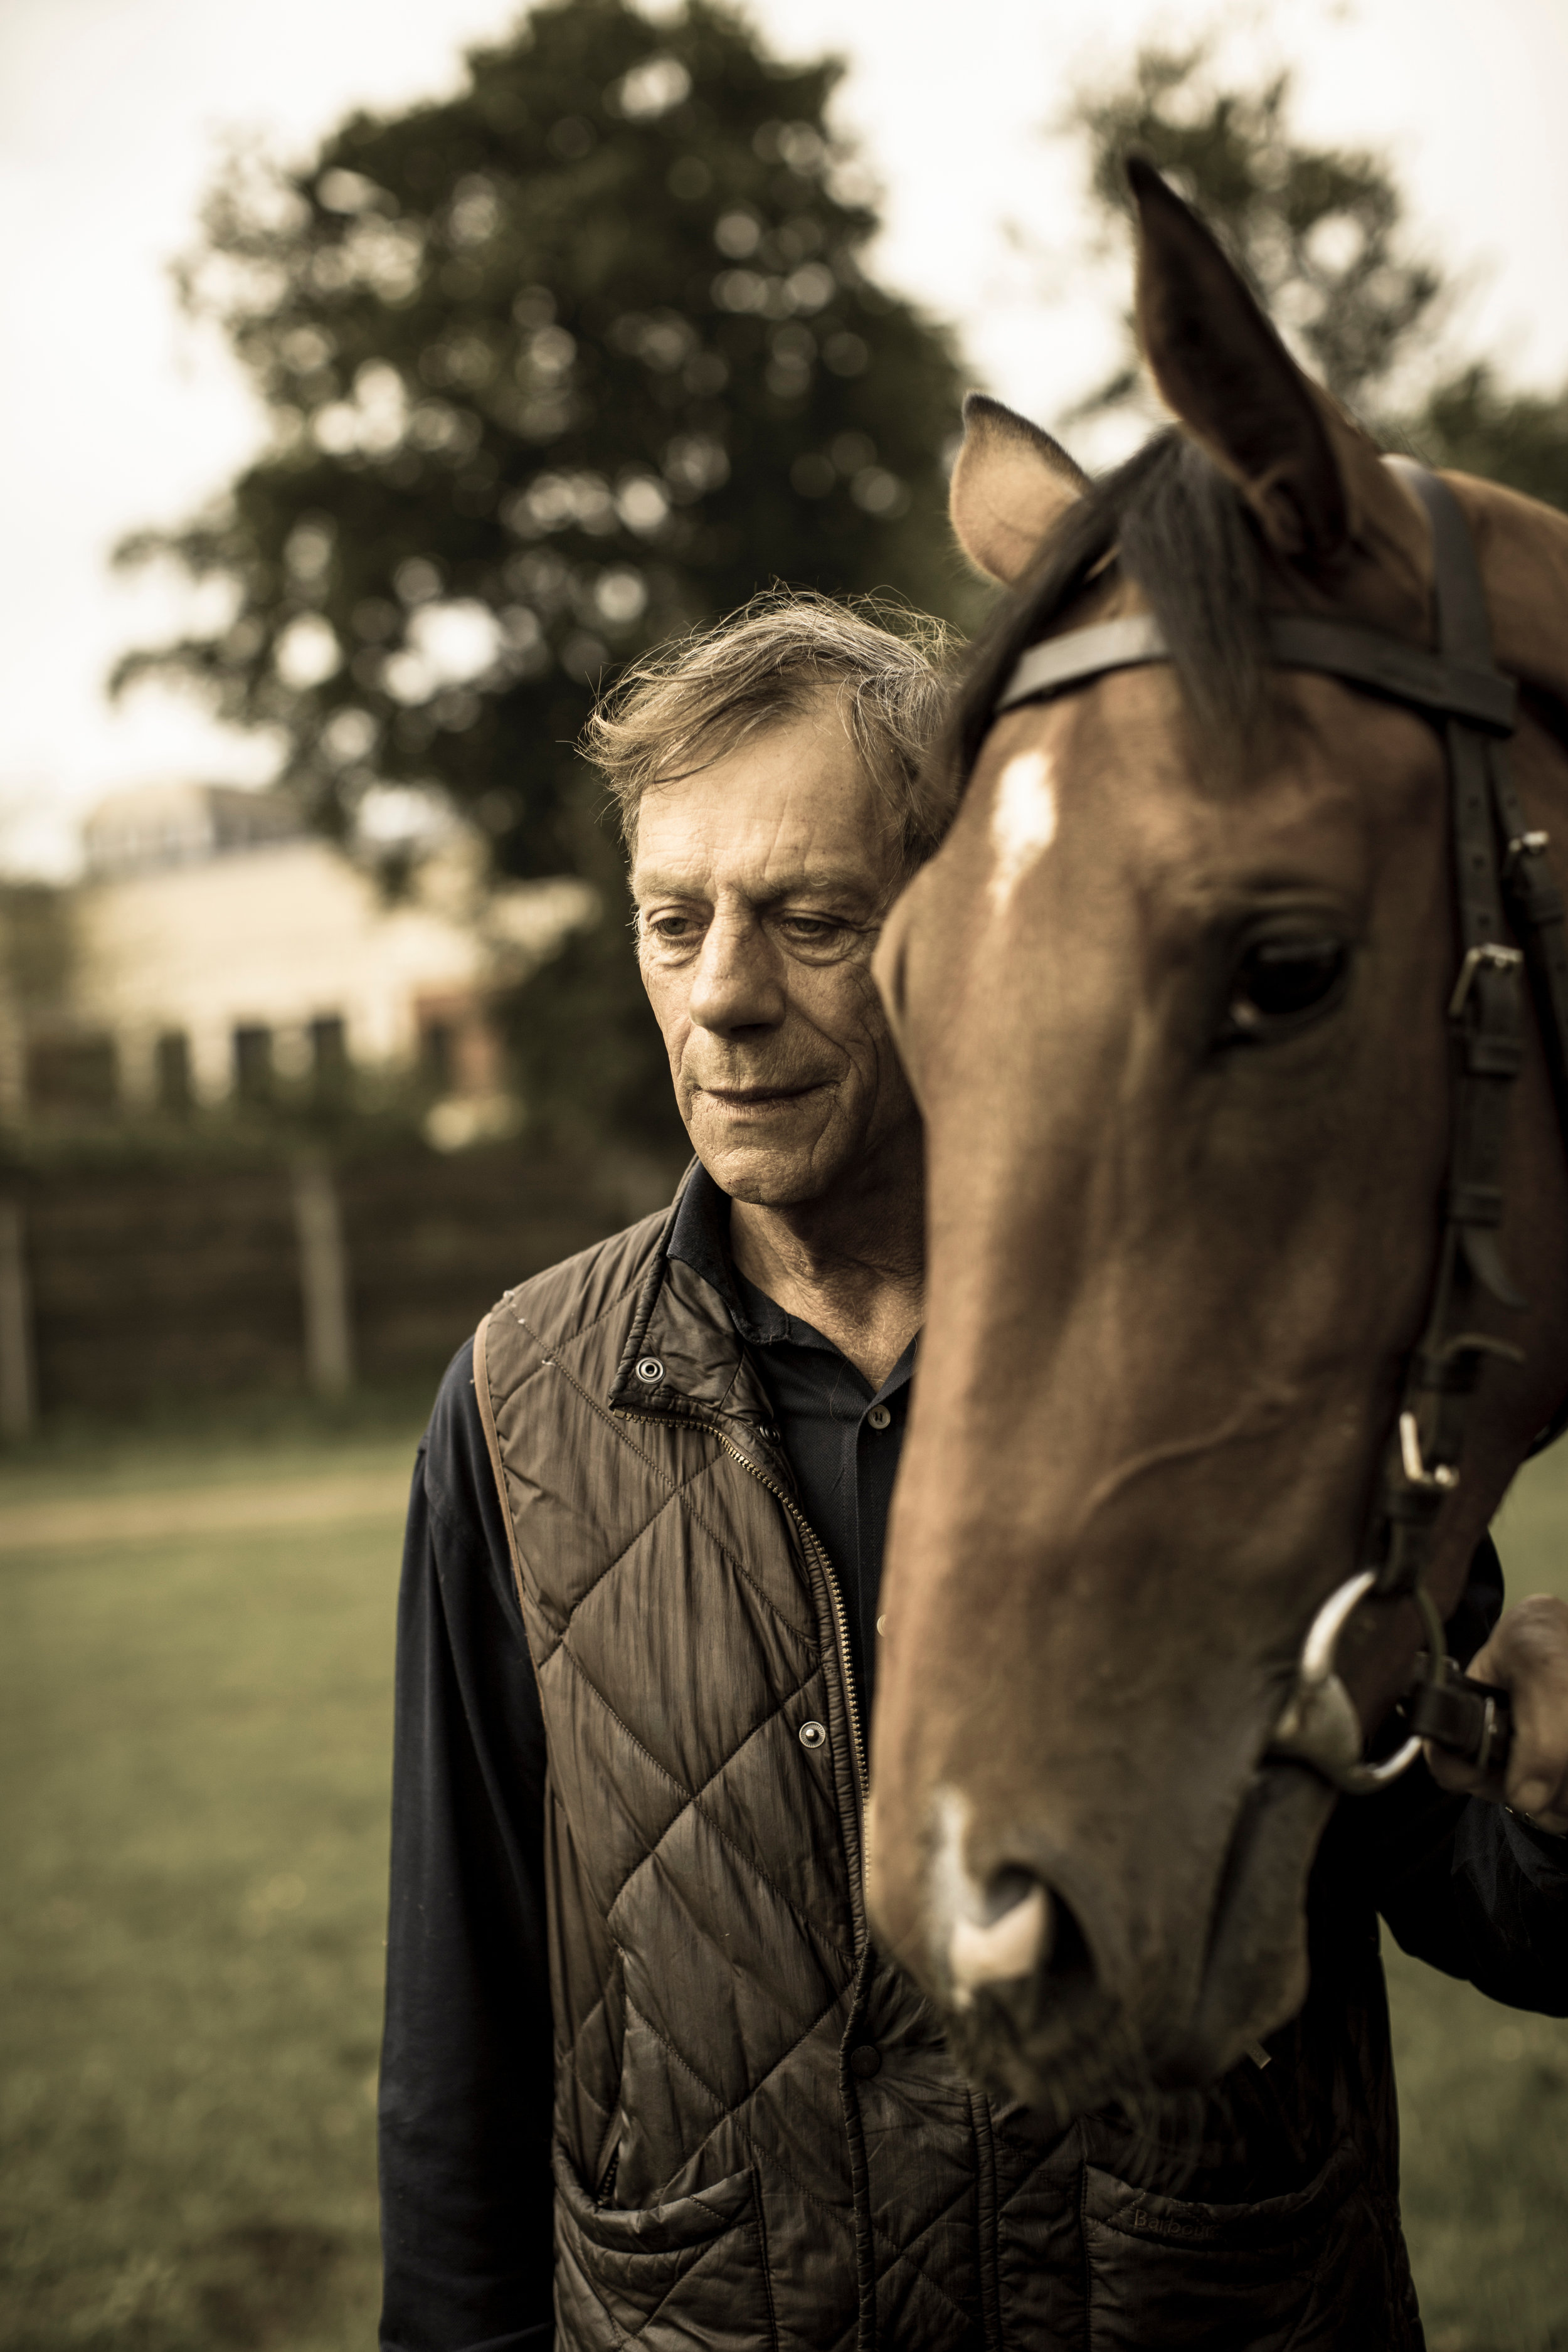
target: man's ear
<point>1222,368</point>
<point>1009,486</point>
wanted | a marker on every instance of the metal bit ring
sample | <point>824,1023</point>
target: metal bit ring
<point>1320,1727</point>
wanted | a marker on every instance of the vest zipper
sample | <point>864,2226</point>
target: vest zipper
<point>840,1622</point>
<point>818,1551</point>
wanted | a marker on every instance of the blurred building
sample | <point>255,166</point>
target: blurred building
<point>216,948</point>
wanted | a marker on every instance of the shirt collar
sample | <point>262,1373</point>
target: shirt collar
<point>700,1238</point>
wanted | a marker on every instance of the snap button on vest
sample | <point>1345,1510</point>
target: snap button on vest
<point>879,1416</point>
<point>651,1371</point>
<point>814,1735</point>
<point>865,2060</point>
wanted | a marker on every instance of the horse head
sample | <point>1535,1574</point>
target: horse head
<point>1172,996</point>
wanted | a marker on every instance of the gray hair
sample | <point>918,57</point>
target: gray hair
<point>695,699</point>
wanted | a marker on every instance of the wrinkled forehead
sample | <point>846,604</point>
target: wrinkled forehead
<point>791,806</point>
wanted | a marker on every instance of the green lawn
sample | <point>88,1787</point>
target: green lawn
<point>1484,2090</point>
<point>193,1741</point>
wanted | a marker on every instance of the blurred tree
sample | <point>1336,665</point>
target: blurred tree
<point>1317,230</point>
<point>557,366</point>
<point>1321,232</point>
<point>1472,423</point>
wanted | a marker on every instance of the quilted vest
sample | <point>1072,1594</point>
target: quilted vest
<point>758,2139</point>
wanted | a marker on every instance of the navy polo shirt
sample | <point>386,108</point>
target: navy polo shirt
<point>841,1436</point>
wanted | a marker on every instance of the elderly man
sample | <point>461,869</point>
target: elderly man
<point>645,2079</point>
<point>630,1701</point>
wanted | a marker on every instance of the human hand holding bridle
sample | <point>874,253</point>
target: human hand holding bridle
<point>1527,1655</point>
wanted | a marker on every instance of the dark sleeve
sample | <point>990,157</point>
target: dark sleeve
<point>1460,1882</point>
<point>465,2073</point>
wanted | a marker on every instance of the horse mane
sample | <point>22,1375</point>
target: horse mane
<point>1170,521</point>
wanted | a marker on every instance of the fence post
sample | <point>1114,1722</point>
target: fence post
<point>18,1388</point>
<point>323,1278</point>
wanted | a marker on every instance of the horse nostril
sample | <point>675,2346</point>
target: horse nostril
<point>1012,1941</point>
<point>1069,1955</point>
<point>1005,1890</point>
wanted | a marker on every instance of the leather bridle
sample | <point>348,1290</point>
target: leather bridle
<point>1502,882</point>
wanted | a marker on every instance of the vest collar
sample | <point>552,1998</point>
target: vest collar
<point>683,1354</point>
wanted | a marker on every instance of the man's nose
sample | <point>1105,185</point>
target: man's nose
<point>737,983</point>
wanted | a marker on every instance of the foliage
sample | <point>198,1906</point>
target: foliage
<point>34,946</point>
<point>1321,232</point>
<point>554,367</point>
<point>1317,230</point>
<point>585,1011</point>
<point>1473,424</point>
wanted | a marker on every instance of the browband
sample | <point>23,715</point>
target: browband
<point>1434,683</point>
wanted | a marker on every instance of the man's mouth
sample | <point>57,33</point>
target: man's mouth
<point>757,1099</point>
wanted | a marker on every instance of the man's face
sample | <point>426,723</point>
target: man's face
<point>761,886</point>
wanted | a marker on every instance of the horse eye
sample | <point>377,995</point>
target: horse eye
<point>1278,981</point>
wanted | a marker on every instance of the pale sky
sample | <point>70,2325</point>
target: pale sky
<point>114,413</point>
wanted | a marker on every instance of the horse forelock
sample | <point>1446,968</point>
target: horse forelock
<point>1171,523</point>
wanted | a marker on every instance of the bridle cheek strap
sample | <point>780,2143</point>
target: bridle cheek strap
<point>1459,688</point>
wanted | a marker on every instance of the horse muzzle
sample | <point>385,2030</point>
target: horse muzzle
<point>1050,2003</point>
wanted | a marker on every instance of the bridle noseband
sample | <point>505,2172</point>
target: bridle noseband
<point>1459,688</point>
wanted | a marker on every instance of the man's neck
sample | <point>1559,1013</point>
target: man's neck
<point>852,1268</point>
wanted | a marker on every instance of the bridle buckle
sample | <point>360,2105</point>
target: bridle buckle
<point>1441,1479</point>
<point>1521,846</point>
<point>1489,956</point>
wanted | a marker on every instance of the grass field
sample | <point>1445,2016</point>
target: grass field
<point>1484,2090</point>
<point>193,1741</point>
<point>193,1732</point>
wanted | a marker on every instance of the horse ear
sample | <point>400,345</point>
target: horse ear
<point>1009,485</point>
<point>1224,371</point>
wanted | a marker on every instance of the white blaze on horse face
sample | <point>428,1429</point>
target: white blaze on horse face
<point>1022,823</point>
<point>978,1951</point>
